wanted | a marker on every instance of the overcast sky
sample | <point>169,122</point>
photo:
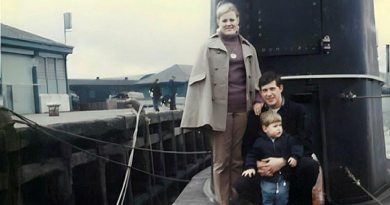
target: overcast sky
<point>119,37</point>
<point>130,37</point>
<point>382,19</point>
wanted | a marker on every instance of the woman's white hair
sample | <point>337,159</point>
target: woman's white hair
<point>224,7</point>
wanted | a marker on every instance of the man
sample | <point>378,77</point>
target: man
<point>172,93</point>
<point>293,120</point>
<point>155,93</point>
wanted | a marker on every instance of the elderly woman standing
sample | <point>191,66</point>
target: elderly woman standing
<point>221,90</point>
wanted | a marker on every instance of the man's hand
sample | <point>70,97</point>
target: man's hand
<point>263,169</point>
<point>292,162</point>
<point>267,167</point>
<point>257,108</point>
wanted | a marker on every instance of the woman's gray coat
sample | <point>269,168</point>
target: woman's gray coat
<point>207,94</point>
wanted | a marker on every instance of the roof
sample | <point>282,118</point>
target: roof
<point>100,82</point>
<point>16,37</point>
<point>181,72</point>
<point>129,77</point>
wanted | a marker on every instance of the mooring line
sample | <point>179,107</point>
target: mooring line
<point>122,195</point>
<point>110,143</point>
<point>357,182</point>
<point>107,159</point>
<point>38,128</point>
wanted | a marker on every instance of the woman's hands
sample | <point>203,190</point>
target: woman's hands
<point>257,108</point>
<point>249,172</point>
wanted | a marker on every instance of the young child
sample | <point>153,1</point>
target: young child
<point>275,144</point>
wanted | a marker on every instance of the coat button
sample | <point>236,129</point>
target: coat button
<point>218,51</point>
<point>249,76</point>
<point>215,84</point>
<point>216,68</point>
<point>213,98</point>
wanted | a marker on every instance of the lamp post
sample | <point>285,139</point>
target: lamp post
<point>67,23</point>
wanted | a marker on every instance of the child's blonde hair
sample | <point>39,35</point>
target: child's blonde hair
<point>269,117</point>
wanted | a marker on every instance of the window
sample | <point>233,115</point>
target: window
<point>91,94</point>
<point>51,76</point>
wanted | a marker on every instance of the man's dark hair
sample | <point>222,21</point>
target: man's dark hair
<point>268,77</point>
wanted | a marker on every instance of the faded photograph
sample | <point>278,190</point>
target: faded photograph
<point>207,102</point>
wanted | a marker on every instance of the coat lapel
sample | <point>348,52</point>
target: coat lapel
<point>217,43</point>
<point>246,49</point>
<point>246,53</point>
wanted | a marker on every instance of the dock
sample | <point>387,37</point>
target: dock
<point>198,191</point>
<point>45,171</point>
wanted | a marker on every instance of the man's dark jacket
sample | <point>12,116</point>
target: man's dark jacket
<point>156,90</point>
<point>172,90</point>
<point>293,122</point>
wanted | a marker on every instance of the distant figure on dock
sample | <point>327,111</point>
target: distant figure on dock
<point>219,97</point>
<point>155,93</point>
<point>275,143</point>
<point>172,89</point>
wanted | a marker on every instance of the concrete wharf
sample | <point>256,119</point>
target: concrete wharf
<point>198,191</point>
<point>37,169</point>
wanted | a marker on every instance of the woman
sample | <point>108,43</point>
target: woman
<point>221,90</point>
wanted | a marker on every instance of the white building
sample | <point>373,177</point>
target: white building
<point>33,72</point>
